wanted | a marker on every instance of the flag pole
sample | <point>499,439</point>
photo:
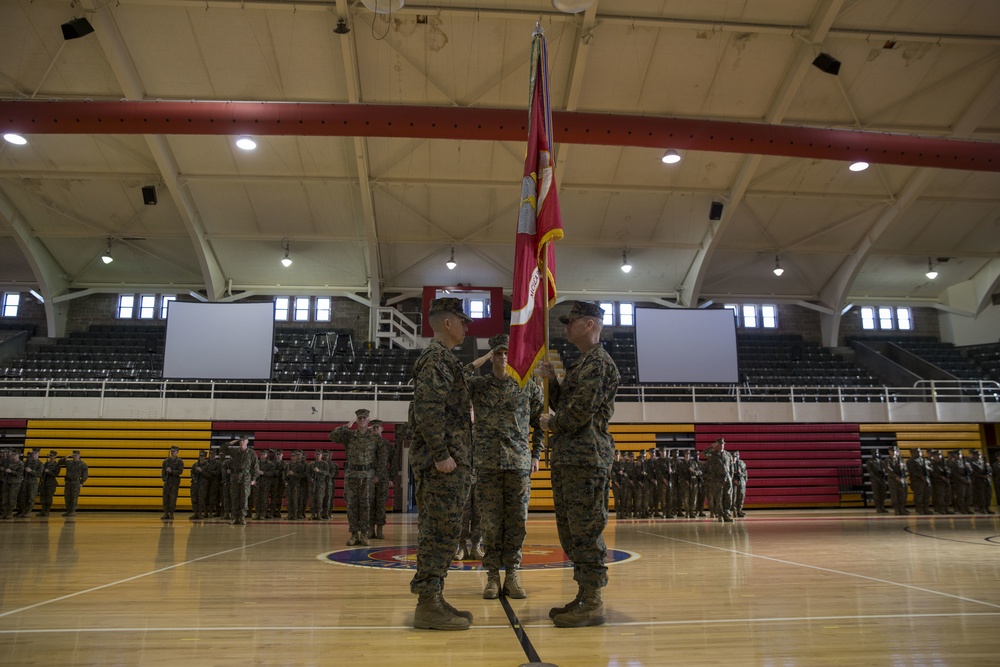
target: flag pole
<point>545,339</point>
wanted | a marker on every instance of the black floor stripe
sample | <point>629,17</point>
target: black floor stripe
<point>522,636</point>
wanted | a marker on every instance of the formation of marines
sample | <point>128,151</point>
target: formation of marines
<point>24,480</point>
<point>677,484</point>
<point>952,483</point>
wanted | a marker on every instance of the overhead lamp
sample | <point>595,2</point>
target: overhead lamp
<point>76,28</point>
<point>14,138</point>
<point>824,62</point>
<point>286,261</point>
<point>670,157</point>
<point>860,165</point>
<point>931,273</point>
<point>246,143</point>
<point>626,266</point>
<point>106,257</point>
<point>451,263</point>
<point>341,28</point>
<point>572,6</point>
<point>777,267</point>
<point>383,6</point>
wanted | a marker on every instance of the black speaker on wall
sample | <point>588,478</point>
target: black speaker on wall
<point>824,62</point>
<point>715,213</point>
<point>149,195</point>
<point>76,28</point>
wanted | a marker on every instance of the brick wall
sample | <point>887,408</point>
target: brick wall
<point>29,312</point>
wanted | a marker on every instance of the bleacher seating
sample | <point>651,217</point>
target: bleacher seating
<point>987,358</point>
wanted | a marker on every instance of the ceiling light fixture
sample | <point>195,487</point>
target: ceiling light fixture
<point>671,157</point>
<point>383,6</point>
<point>626,266</point>
<point>777,267</point>
<point>860,165</point>
<point>246,143</point>
<point>341,28</point>
<point>14,138</point>
<point>106,257</point>
<point>572,6</point>
<point>931,273</point>
<point>286,261</point>
<point>451,263</point>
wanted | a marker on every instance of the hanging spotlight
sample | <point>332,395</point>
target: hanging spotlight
<point>931,273</point>
<point>286,261</point>
<point>671,157</point>
<point>246,143</point>
<point>777,267</point>
<point>14,138</point>
<point>858,166</point>
<point>451,263</point>
<point>106,257</point>
<point>341,28</point>
<point>626,266</point>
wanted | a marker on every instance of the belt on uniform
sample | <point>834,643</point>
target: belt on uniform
<point>358,468</point>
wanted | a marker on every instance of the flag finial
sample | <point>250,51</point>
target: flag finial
<point>539,30</point>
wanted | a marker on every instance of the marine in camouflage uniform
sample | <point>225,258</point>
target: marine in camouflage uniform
<point>441,459</point>
<point>226,466</point>
<point>505,414</point>
<point>50,481</point>
<point>919,472</point>
<point>170,472</point>
<point>213,471</point>
<point>359,448</point>
<point>980,482</point>
<point>243,477</point>
<point>876,476</point>
<point>384,474</point>
<point>13,469</point>
<point>264,482</point>
<point>739,485</point>
<point>298,471</point>
<point>330,485</point>
<point>29,485</point>
<point>961,481</point>
<point>940,483</point>
<point>616,482</point>
<point>719,468</point>
<point>895,471</point>
<point>582,451</point>
<point>199,487</point>
<point>319,470</point>
<point>278,485</point>
<point>76,476</point>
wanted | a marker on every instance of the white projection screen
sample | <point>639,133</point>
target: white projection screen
<point>686,346</point>
<point>219,341</point>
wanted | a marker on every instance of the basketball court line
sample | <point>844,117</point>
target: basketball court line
<point>138,576</point>
<point>824,569</point>
<point>382,628</point>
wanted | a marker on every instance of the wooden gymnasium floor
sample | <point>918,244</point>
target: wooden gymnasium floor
<point>778,588</point>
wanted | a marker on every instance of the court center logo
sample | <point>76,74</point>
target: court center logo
<point>533,557</point>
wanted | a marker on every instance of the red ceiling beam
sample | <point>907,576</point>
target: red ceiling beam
<point>370,120</point>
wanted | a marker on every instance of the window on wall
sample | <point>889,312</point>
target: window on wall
<point>301,309</point>
<point>626,314</point>
<point>609,312</point>
<point>11,301</point>
<point>886,318</point>
<point>477,308</point>
<point>754,316</point>
<point>147,306</point>
<point>126,306</point>
<point>324,309</point>
<point>165,302</point>
<point>281,304</point>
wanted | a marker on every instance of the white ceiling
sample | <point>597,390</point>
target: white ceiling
<point>392,208</point>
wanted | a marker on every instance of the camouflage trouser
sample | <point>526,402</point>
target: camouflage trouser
<point>503,506</point>
<point>263,495</point>
<point>663,498</point>
<point>29,489</point>
<point>239,491</point>
<point>330,488</point>
<point>941,494</point>
<point>960,491</point>
<point>199,496</point>
<point>357,493</point>
<point>724,496</point>
<point>214,503</point>
<point>981,495</point>
<point>380,496</point>
<point>49,487</point>
<point>580,496</point>
<point>921,497</point>
<point>277,497</point>
<point>898,491</point>
<point>71,493</point>
<point>227,498</point>
<point>170,488</point>
<point>318,500</point>
<point>616,493</point>
<point>10,492</point>
<point>440,499</point>
<point>878,494</point>
<point>713,487</point>
<point>739,495</point>
<point>471,523</point>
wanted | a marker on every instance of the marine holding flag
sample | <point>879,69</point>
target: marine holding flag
<point>538,223</point>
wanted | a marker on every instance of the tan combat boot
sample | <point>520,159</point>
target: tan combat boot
<point>492,590</point>
<point>353,540</point>
<point>512,586</point>
<point>477,552</point>
<point>464,614</point>
<point>378,533</point>
<point>432,613</point>
<point>362,540</point>
<point>555,611</point>
<point>588,611</point>
<point>461,551</point>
